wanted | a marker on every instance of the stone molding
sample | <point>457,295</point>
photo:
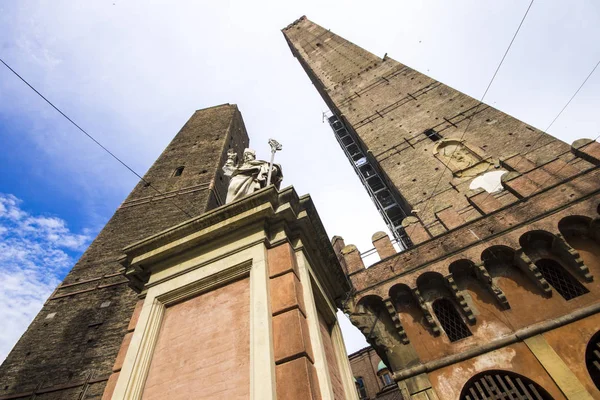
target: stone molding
<point>133,374</point>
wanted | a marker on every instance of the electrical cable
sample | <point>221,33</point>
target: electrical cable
<point>546,130</point>
<point>480,103</point>
<point>90,136</point>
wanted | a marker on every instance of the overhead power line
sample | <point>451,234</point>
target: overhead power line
<point>89,135</point>
<point>480,102</point>
<point>546,130</point>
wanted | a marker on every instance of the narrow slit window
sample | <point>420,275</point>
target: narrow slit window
<point>433,135</point>
<point>178,171</point>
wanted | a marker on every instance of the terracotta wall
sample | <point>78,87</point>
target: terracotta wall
<point>528,303</point>
<point>332,362</point>
<point>570,343</point>
<point>364,364</point>
<point>203,348</point>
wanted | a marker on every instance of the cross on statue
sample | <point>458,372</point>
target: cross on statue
<point>275,147</point>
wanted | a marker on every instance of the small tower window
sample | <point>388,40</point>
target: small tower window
<point>384,374</point>
<point>360,388</point>
<point>450,320</point>
<point>563,282</point>
<point>387,379</point>
<point>178,171</point>
<point>433,135</point>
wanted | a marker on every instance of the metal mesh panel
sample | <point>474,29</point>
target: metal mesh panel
<point>496,385</point>
<point>450,320</point>
<point>560,280</point>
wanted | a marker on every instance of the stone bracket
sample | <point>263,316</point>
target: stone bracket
<point>532,272</point>
<point>571,257</point>
<point>460,299</point>
<point>428,317</point>
<point>389,305</point>
<point>482,274</point>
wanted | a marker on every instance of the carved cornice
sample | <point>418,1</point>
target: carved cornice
<point>279,215</point>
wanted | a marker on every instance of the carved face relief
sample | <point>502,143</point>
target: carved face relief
<point>456,155</point>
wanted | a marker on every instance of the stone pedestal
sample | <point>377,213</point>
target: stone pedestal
<point>236,303</point>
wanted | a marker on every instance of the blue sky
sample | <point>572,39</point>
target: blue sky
<point>132,72</point>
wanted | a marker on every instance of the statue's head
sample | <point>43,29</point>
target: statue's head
<point>249,155</point>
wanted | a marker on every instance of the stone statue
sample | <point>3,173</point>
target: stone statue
<point>251,175</point>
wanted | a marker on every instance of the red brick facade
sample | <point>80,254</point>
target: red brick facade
<point>495,286</point>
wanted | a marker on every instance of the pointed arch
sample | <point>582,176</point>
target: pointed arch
<point>496,384</point>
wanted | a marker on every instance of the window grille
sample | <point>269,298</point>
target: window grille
<point>496,385</point>
<point>450,320</point>
<point>592,359</point>
<point>563,282</point>
<point>433,135</point>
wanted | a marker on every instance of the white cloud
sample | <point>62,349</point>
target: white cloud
<point>133,85</point>
<point>35,252</point>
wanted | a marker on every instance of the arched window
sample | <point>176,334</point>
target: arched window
<point>592,359</point>
<point>384,374</point>
<point>563,282</point>
<point>450,320</point>
<point>178,171</point>
<point>360,388</point>
<point>490,385</point>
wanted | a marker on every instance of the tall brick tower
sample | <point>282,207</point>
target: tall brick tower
<point>495,292</point>
<point>69,349</point>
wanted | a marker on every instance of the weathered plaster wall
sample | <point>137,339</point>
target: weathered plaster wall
<point>450,380</point>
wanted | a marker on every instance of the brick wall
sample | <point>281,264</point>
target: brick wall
<point>77,347</point>
<point>388,107</point>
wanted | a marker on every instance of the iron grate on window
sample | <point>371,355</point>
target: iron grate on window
<point>592,359</point>
<point>567,286</point>
<point>496,385</point>
<point>450,320</point>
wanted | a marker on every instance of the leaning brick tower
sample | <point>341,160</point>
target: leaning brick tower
<point>69,349</point>
<point>495,290</point>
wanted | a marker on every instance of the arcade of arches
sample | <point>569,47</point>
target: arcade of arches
<point>523,303</point>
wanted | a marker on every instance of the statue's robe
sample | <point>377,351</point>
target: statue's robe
<point>250,177</point>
